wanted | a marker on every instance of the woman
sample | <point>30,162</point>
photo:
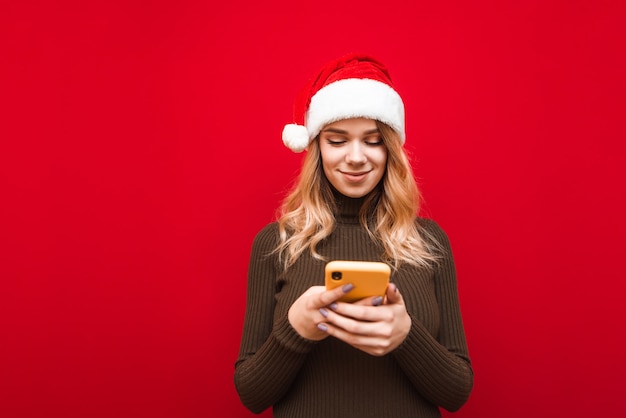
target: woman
<point>304,353</point>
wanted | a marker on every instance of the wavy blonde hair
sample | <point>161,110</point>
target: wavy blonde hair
<point>306,216</point>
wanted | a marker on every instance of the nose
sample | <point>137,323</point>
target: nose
<point>355,153</point>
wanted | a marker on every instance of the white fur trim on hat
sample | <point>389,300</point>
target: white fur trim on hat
<point>295,137</point>
<point>355,98</point>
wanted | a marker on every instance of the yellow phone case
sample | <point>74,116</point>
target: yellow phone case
<point>370,278</point>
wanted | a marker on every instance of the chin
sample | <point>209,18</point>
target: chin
<point>355,194</point>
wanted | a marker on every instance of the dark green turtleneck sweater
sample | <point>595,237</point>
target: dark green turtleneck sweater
<point>302,378</point>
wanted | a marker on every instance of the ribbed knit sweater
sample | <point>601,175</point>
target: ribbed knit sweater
<point>302,378</point>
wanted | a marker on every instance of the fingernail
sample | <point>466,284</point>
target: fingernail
<point>324,312</point>
<point>377,300</point>
<point>395,288</point>
<point>333,306</point>
<point>348,287</point>
<point>322,327</point>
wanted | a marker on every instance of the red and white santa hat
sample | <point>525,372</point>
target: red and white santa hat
<point>354,86</point>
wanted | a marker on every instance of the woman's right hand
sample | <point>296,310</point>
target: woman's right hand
<point>305,316</point>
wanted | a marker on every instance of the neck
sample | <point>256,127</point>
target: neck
<point>348,208</point>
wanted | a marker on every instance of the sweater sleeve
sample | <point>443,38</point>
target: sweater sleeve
<point>271,351</point>
<point>439,366</point>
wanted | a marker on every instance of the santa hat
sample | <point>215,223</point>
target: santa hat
<point>354,86</point>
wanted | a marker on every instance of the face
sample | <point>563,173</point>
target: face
<point>354,157</point>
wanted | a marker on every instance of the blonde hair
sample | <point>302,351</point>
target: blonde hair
<point>306,216</point>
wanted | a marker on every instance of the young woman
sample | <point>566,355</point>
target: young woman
<point>303,352</point>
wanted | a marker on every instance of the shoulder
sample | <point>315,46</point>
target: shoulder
<point>265,243</point>
<point>268,236</point>
<point>269,229</point>
<point>434,235</point>
<point>431,227</point>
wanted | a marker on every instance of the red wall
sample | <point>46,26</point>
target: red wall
<point>140,153</point>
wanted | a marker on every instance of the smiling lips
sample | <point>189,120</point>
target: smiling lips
<point>355,177</point>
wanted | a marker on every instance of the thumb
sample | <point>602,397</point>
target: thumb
<point>393,294</point>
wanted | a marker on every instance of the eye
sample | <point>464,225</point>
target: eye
<point>374,141</point>
<point>335,141</point>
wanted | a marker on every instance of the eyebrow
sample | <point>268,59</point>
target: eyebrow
<point>343,132</point>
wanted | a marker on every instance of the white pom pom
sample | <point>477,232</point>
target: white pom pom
<point>295,137</point>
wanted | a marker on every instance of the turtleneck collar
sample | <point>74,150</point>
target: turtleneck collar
<point>348,208</point>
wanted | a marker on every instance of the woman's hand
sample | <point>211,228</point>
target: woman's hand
<point>376,330</point>
<point>305,314</point>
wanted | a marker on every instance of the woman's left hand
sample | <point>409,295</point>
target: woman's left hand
<point>376,330</point>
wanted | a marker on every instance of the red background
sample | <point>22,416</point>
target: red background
<point>140,153</point>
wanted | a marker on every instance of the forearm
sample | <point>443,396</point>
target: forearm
<point>434,354</point>
<point>262,378</point>
<point>440,374</point>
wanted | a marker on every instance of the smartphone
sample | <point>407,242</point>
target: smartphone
<point>370,278</point>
